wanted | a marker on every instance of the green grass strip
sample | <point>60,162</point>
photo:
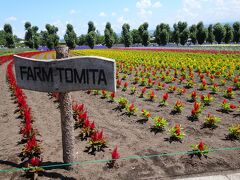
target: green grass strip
<point>120,159</point>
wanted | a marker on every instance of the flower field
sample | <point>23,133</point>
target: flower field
<point>174,114</point>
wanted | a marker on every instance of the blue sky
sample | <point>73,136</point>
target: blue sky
<point>134,12</point>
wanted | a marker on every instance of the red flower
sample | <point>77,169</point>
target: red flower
<point>143,90</point>
<point>97,136</point>
<point>232,106</point>
<point>115,154</point>
<point>229,90</point>
<point>92,126</point>
<point>224,101</point>
<point>196,105</point>
<point>193,112</point>
<point>201,146</point>
<point>126,84</point>
<point>104,92</point>
<point>31,143</point>
<point>34,161</point>
<point>149,80</point>
<point>165,96</point>
<point>113,94</point>
<point>204,82</point>
<point>119,82</point>
<point>86,123</point>
<point>83,116</point>
<point>194,94</point>
<point>152,94</point>
<point>235,80</point>
<point>178,129</point>
<point>131,107</point>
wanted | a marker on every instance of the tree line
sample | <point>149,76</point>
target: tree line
<point>181,33</point>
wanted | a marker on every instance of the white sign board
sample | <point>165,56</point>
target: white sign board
<point>65,75</point>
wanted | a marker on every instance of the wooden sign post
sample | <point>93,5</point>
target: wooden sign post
<point>64,75</point>
<point>67,122</point>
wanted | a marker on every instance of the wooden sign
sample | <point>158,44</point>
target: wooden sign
<point>65,75</point>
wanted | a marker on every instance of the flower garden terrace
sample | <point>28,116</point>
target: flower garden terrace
<point>215,63</point>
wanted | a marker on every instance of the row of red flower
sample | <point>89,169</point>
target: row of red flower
<point>89,131</point>
<point>31,151</point>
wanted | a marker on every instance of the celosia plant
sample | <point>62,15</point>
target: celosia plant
<point>145,114</point>
<point>176,132</point>
<point>178,107</point>
<point>97,142</point>
<point>200,149</point>
<point>164,99</point>
<point>122,102</point>
<point>234,131</point>
<point>115,156</point>
<point>159,123</point>
<point>211,121</point>
<point>131,109</point>
<point>229,93</point>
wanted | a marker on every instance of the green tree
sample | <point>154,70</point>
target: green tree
<point>9,36</point>
<point>126,35</point>
<point>36,37</point>
<point>32,37</point>
<point>49,37</point>
<point>162,34</point>
<point>91,39</point>
<point>143,32</point>
<point>201,34</point>
<point>229,34</point>
<point>91,27</point>
<point>43,38</point>
<point>99,38</point>
<point>17,39</point>
<point>82,40</point>
<point>136,36</point>
<point>210,37</point>
<point>180,33</point>
<point>108,35</point>
<point>116,38</point>
<point>184,36</point>
<point>193,33</point>
<point>236,32</point>
<point>176,34</point>
<point>219,32</point>
<point>70,37</point>
<point>2,38</point>
<point>91,36</point>
<point>28,35</point>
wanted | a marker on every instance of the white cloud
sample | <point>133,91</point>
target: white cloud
<point>143,4</point>
<point>208,11</point>
<point>126,10</point>
<point>72,11</point>
<point>11,18</point>
<point>157,4</point>
<point>61,27</point>
<point>102,14</point>
<point>145,7</point>
<point>121,20</point>
<point>114,14</point>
